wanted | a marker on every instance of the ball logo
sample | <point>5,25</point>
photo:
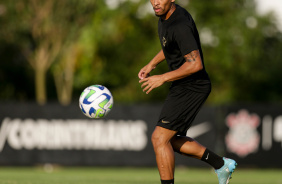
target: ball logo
<point>85,100</point>
<point>242,137</point>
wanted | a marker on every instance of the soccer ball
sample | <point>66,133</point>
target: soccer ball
<point>96,101</point>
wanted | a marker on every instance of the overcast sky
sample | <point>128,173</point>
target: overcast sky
<point>265,6</point>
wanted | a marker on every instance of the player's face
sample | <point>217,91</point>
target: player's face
<point>161,7</point>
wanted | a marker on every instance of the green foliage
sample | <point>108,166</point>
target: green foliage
<point>243,59</point>
<point>242,49</point>
<point>118,45</point>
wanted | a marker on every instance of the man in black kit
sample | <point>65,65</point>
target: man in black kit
<point>190,88</point>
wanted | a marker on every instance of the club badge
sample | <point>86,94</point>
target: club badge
<point>242,137</point>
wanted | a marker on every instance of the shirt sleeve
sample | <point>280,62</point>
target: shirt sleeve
<point>185,39</point>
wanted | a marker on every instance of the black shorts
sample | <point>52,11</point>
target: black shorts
<point>180,109</point>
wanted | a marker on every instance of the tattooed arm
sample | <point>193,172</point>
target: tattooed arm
<point>192,65</point>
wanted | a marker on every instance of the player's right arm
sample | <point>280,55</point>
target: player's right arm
<point>144,72</point>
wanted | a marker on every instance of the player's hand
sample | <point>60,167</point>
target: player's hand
<point>150,83</point>
<point>145,71</point>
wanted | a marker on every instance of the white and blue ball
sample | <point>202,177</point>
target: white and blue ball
<point>96,101</point>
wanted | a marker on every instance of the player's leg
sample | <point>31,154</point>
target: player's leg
<point>224,167</point>
<point>164,152</point>
<point>187,146</point>
<point>190,147</point>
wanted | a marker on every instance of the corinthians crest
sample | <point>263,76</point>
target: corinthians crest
<point>164,41</point>
<point>243,137</point>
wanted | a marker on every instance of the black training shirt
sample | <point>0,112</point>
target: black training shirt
<point>179,36</point>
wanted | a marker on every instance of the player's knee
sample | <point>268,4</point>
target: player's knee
<point>154,139</point>
<point>158,140</point>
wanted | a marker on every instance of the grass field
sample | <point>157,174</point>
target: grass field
<point>121,175</point>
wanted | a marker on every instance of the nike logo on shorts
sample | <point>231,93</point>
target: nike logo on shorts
<point>163,121</point>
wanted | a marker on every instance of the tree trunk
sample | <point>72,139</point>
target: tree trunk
<point>40,86</point>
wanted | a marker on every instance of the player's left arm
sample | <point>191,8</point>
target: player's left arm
<point>192,65</point>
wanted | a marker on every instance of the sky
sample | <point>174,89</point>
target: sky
<point>265,6</point>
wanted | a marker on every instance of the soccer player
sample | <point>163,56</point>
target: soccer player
<point>190,88</point>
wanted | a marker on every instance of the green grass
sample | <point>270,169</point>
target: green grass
<point>121,175</point>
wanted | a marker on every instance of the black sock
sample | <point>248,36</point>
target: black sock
<point>213,159</point>
<point>167,181</point>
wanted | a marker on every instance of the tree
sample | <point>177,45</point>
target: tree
<point>95,42</point>
<point>241,51</point>
<point>51,27</point>
<point>127,42</point>
<point>114,47</point>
